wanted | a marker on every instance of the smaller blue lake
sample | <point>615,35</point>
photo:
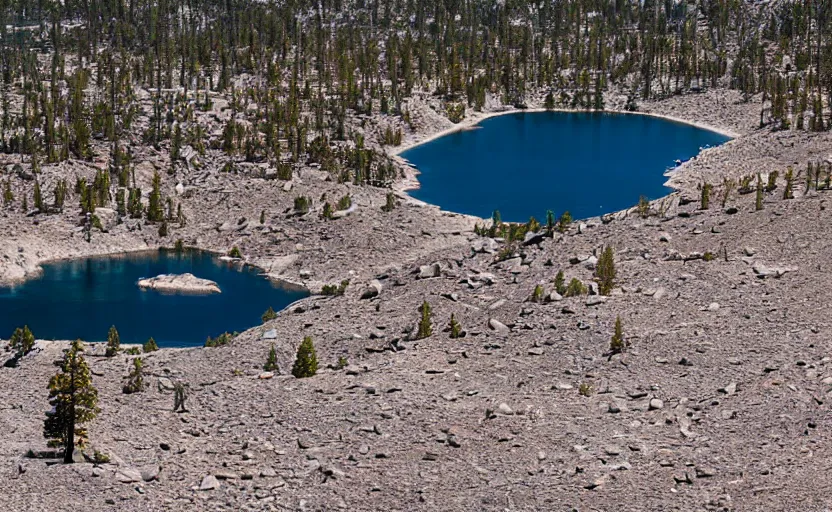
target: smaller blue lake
<point>82,298</point>
<point>527,163</point>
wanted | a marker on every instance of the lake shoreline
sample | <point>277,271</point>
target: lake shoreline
<point>470,123</point>
<point>287,284</point>
<point>411,180</point>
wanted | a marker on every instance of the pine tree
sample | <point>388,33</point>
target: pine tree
<point>605,271</point>
<point>643,207</point>
<point>758,203</point>
<point>121,204</point>
<point>390,202</point>
<point>549,101</point>
<point>113,342</point>
<point>705,199</point>
<point>8,196</point>
<point>38,197</point>
<point>564,222</point>
<point>74,402</point>
<point>60,195</point>
<point>617,343</point>
<point>306,362</point>
<point>22,341</point>
<point>135,380</point>
<point>788,192</point>
<point>455,328</point>
<point>425,328</point>
<point>560,283</point>
<point>550,222</point>
<point>271,361</point>
<point>155,211</point>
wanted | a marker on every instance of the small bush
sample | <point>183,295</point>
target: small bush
<point>100,458</point>
<point>537,294</point>
<point>268,315</point>
<point>223,339</point>
<point>342,363</point>
<point>575,288</point>
<point>332,290</point>
<point>327,213</point>
<point>585,389</point>
<point>302,204</point>
<point>456,112</point>
<point>345,202</point>
<point>235,252</point>
<point>150,346</point>
<point>306,362</point>
<point>135,381</point>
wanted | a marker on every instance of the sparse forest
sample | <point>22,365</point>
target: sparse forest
<point>96,80</point>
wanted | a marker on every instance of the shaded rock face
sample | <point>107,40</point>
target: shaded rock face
<point>182,283</point>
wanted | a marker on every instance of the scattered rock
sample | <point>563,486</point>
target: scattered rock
<point>428,271</point>
<point>150,473</point>
<point>762,271</point>
<point>210,482</point>
<point>504,409</point>
<point>373,290</point>
<point>594,300</point>
<point>128,475</point>
<point>498,326</point>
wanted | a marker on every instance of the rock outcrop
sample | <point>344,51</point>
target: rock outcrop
<point>183,283</point>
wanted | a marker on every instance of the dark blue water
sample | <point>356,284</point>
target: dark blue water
<point>82,298</point>
<point>525,164</point>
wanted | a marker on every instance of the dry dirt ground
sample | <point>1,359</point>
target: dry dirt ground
<point>720,402</point>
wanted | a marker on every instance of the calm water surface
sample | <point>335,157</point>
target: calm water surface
<point>527,163</point>
<point>82,298</point>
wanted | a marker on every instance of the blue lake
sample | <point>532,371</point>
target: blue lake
<point>82,298</point>
<point>527,163</point>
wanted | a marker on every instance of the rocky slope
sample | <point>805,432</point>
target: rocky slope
<point>720,402</point>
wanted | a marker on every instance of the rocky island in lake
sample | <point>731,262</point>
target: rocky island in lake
<point>182,283</point>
